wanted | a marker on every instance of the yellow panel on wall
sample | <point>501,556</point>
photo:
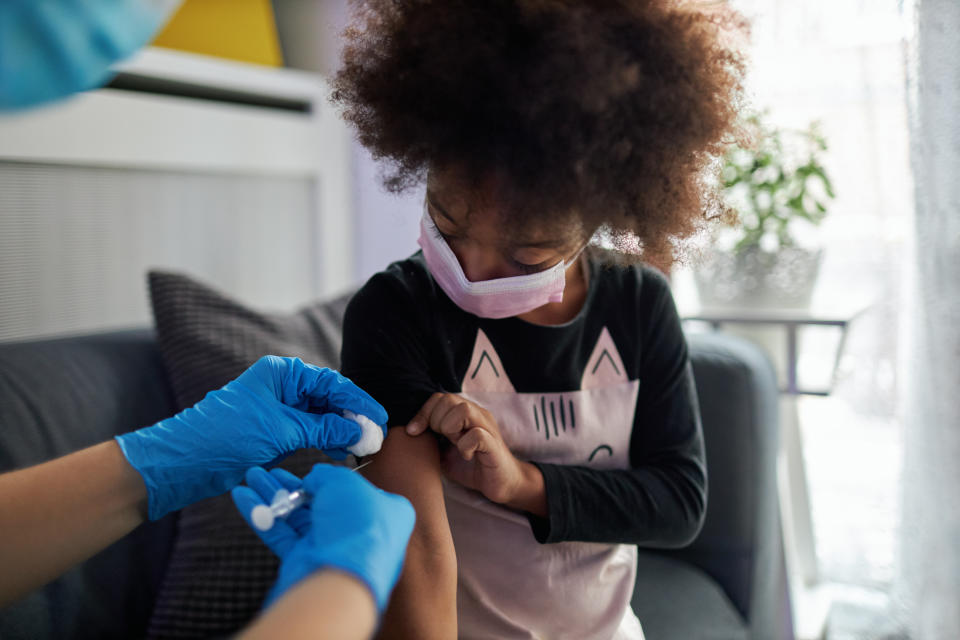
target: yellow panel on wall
<point>236,29</point>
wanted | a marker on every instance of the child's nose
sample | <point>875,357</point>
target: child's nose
<point>480,263</point>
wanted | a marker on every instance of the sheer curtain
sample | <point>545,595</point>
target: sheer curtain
<point>841,62</point>
<point>929,581</point>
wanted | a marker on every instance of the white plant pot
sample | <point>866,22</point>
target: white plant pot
<point>756,279</point>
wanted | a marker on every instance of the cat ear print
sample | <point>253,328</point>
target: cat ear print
<point>605,366</point>
<point>486,372</point>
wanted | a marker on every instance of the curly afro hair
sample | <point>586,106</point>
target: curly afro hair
<point>599,113</point>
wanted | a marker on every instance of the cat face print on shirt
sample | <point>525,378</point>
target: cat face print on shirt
<point>589,426</point>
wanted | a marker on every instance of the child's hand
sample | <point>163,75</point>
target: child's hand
<point>479,459</point>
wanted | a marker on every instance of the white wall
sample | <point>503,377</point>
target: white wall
<point>385,225</point>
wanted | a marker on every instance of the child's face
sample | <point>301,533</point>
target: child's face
<point>470,224</point>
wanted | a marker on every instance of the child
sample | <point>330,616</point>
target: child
<point>554,379</point>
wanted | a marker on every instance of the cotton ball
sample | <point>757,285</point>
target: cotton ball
<point>371,438</point>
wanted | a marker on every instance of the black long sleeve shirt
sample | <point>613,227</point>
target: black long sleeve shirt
<point>404,339</point>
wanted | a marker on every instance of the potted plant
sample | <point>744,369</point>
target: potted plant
<point>766,255</point>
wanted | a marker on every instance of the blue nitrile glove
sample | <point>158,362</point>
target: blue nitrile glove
<point>257,419</point>
<point>350,525</point>
<point>52,48</point>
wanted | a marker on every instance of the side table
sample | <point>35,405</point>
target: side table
<point>810,610</point>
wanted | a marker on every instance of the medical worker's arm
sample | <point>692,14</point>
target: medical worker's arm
<point>57,514</point>
<point>424,603</point>
<point>330,605</point>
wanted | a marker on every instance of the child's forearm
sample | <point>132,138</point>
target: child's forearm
<point>424,603</point>
<point>651,506</point>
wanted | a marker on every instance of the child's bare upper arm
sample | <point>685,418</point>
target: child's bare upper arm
<point>424,602</point>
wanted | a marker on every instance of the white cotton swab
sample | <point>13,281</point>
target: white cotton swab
<point>372,435</point>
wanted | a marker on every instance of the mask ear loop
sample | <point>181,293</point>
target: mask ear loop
<point>585,268</point>
<point>585,264</point>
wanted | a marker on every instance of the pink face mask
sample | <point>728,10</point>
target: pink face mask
<point>499,298</point>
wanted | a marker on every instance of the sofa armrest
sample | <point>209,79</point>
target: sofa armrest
<point>740,545</point>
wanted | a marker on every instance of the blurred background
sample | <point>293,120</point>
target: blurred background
<point>215,152</point>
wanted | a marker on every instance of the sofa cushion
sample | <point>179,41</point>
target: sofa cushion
<point>705,613</point>
<point>219,571</point>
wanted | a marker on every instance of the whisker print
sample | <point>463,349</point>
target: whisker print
<point>563,418</point>
<point>553,416</point>
<point>543,412</point>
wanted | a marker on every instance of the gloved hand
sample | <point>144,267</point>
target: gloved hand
<point>257,419</point>
<point>350,525</point>
<point>50,48</point>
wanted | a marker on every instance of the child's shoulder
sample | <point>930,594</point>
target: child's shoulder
<point>629,279</point>
<point>407,274</point>
<point>397,285</point>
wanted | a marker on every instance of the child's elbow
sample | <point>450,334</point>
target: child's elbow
<point>692,525</point>
<point>690,516</point>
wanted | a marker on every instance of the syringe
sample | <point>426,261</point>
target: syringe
<point>283,504</point>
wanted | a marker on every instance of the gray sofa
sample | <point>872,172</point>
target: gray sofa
<point>57,396</point>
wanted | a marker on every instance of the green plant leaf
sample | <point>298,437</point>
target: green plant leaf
<point>767,174</point>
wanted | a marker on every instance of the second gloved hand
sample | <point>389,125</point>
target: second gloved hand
<point>255,420</point>
<point>350,525</point>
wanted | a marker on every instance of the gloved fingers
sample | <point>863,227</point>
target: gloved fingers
<point>329,431</point>
<point>331,391</point>
<point>337,491</point>
<point>324,477</point>
<point>265,377</point>
<point>280,538</point>
<point>299,520</point>
<point>266,484</point>
<point>287,480</point>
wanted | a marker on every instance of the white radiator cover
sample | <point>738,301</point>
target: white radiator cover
<point>76,242</point>
<point>99,189</point>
